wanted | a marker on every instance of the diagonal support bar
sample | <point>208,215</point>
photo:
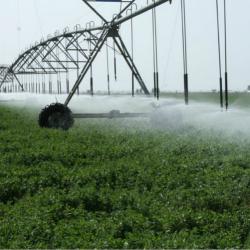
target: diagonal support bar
<point>121,46</point>
<point>19,82</point>
<point>4,79</point>
<point>88,64</point>
<point>95,11</point>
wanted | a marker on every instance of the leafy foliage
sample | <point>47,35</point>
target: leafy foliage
<point>120,186</point>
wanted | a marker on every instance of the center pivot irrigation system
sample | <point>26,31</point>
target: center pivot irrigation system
<point>78,50</point>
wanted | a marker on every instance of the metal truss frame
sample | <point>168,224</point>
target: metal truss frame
<point>71,51</point>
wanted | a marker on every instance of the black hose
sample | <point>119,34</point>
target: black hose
<point>67,72</point>
<point>226,73</point>
<point>108,71</point>
<point>154,52</point>
<point>132,54</point>
<point>58,73</point>
<point>77,61</point>
<point>184,44</point>
<point>115,62</point>
<point>219,52</point>
<point>156,57</point>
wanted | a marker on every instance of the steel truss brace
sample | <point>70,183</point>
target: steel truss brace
<point>21,85</point>
<point>111,32</point>
<point>3,72</point>
<point>88,64</point>
<point>121,46</point>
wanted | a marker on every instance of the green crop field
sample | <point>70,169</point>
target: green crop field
<point>120,184</point>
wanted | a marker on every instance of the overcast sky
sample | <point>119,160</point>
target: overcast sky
<point>22,22</point>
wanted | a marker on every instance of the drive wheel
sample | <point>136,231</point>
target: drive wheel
<point>56,116</point>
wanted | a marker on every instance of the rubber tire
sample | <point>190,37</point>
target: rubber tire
<point>57,116</point>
